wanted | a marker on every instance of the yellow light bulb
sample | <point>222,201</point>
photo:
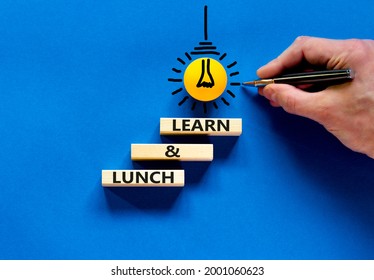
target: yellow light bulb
<point>205,79</point>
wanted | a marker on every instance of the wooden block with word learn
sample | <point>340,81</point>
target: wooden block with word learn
<point>201,126</point>
<point>181,152</point>
<point>142,178</point>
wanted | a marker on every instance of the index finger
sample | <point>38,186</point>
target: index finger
<point>316,51</point>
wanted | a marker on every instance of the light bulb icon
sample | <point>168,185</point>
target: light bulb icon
<point>205,78</point>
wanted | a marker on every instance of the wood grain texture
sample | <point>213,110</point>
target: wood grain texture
<point>142,178</point>
<point>180,152</point>
<point>201,126</point>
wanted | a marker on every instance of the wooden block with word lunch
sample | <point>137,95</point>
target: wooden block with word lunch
<point>181,152</point>
<point>142,178</point>
<point>201,126</point>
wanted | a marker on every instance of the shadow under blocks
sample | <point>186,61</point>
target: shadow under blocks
<point>194,171</point>
<point>160,197</point>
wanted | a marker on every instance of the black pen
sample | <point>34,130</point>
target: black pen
<point>335,76</point>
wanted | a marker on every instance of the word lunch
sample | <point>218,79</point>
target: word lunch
<point>142,178</point>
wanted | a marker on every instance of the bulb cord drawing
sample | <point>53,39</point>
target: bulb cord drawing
<point>206,79</point>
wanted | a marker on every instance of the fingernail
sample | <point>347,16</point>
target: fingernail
<point>270,63</point>
<point>260,69</point>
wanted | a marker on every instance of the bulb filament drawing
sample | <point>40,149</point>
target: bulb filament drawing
<point>206,79</point>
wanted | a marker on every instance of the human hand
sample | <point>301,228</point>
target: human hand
<point>346,110</point>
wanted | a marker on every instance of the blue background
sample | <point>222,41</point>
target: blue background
<point>82,80</point>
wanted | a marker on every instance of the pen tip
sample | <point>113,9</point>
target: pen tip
<point>250,83</point>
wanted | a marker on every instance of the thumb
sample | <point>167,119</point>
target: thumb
<point>292,99</point>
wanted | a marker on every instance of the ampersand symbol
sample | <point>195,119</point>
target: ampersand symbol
<point>171,152</point>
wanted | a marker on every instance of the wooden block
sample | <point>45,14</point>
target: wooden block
<point>201,126</point>
<point>142,178</point>
<point>181,152</point>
